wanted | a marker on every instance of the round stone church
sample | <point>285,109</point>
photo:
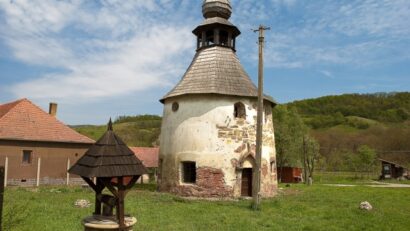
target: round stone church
<point>208,133</point>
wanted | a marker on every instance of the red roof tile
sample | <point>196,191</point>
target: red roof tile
<point>148,156</point>
<point>23,120</point>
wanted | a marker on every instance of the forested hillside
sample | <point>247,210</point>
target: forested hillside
<point>342,124</point>
<point>357,110</point>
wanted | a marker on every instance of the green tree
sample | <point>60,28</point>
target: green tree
<point>289,130</point>
<point>311,155</point>
<point>366,157</point>
<point>292,149</point>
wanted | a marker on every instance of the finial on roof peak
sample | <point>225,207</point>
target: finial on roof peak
<point>109,125</point>
<point>217,8</point>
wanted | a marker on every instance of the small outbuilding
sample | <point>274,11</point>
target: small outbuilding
<point>391,170</point>
<point>149,158</point>
<point>289,174</point>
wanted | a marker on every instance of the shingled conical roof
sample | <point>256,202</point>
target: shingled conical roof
<point>215,68</point>
<point>109,157</point>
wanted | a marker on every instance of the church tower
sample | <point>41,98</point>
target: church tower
<point>208,133</point>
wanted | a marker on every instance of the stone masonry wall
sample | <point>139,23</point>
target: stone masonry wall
<point>209,183</point>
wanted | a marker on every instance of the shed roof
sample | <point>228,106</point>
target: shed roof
<point>23,120</point>
<point>109,157</point>
<point>390,162</point>
<point>215,70</point>
<point>148,156</point>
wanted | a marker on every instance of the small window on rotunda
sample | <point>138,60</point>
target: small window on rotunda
<point>239,110</point>
<point>188,172</point>
<point>175,106</point>
<point>273,166</point>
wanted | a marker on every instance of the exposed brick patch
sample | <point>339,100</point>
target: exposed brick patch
<point>268,190</point>
<point>241,148</point>
<point>209,183</point>
<point>235,163</point>
<point>264,170</point>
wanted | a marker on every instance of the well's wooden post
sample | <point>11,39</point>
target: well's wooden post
<point>98,191</point>
<point>120,208</point>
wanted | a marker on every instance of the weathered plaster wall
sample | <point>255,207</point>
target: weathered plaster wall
<point>204,130</point>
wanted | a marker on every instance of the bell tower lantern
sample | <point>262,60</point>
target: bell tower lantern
<point>216,30</point>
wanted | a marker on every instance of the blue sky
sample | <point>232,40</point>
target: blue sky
<point>107,58</point>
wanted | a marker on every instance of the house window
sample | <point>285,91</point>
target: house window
<point>27,156</point>
<point>189,172</point>
<point>239,110</point>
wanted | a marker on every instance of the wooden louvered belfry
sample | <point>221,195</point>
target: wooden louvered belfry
<point>110,164</point>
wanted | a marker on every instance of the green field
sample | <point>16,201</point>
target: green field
<point>297,207</point>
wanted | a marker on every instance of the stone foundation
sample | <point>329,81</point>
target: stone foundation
<point>209,183</point>
<point>44,181</point>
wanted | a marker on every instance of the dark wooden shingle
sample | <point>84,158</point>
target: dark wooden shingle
<point>108,157</point>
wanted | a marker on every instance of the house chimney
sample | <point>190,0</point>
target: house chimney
<point>52,109</point>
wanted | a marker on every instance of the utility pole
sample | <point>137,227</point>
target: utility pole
<point>257,183</point>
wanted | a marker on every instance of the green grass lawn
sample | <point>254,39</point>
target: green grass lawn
<point>344,177</point>
<point>298,207</point>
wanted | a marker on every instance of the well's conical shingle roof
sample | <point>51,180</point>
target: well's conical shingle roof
<point>215,70</point>
<point>109,157</point>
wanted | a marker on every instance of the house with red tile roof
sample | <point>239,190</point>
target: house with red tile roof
<point>149,158</point>
<point>35,147</point>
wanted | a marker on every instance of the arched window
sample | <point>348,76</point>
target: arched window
<point>239,110</point>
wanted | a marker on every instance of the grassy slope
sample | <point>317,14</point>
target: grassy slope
<point>297,208</point>
<point>133,133</point>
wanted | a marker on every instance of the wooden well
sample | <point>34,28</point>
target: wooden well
<point>109,164</point>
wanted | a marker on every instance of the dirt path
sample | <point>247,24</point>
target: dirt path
<point>377,184</point>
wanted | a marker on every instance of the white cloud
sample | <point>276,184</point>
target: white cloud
<point>110,49</point>
<point>327,73</point>
<point>315,33</point>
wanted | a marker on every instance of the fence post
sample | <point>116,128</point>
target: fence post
<point>2,174</point>
<point>68,174</point>
<point>6,170</point>
<point>38,171</point>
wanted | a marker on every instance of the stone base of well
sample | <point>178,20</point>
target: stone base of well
<point>103,223</point>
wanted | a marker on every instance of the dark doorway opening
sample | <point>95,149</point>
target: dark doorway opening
<point>246,188</point>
